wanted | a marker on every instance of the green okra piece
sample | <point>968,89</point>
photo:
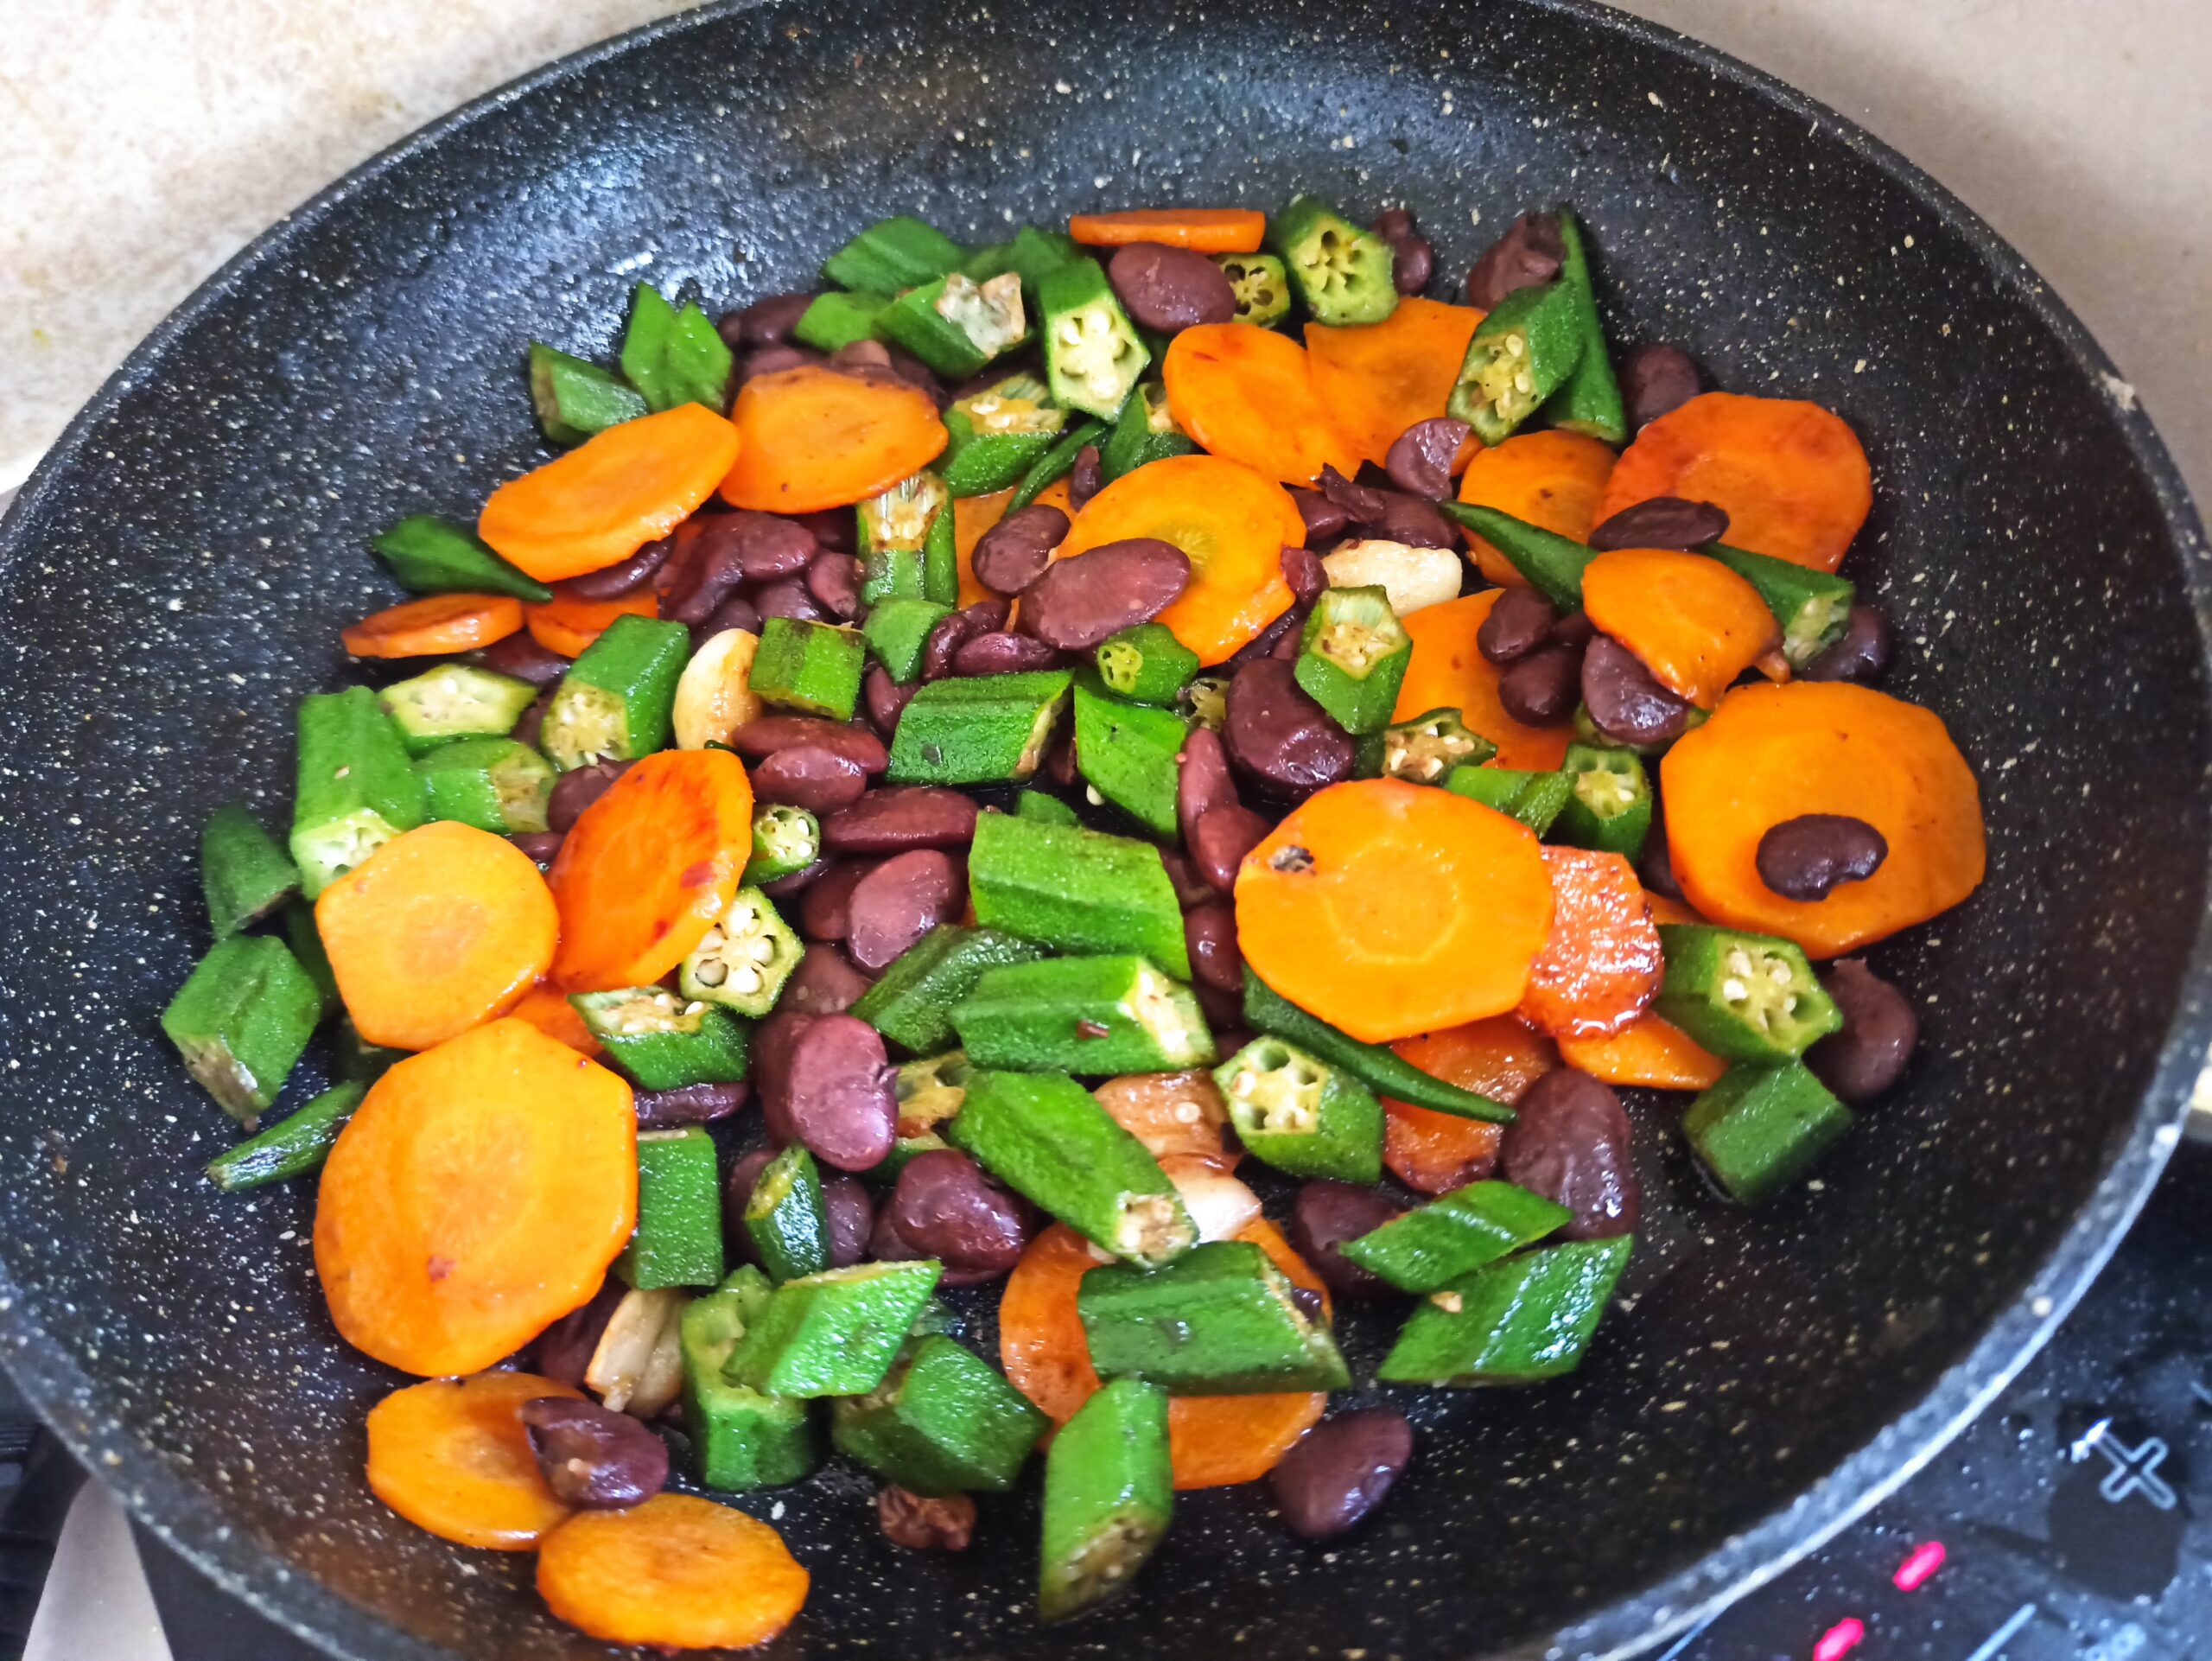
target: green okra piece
<point>784,839</point>
<point>785,1219</point>
<point>1092,354</point>
<point>1075,890</point>
<point>242,1021</point>
<point>306,941</point>
<point>1608,805</point>
<point>1294,1112</point>
<point>1036,253</point>
<point>1206,699</point>
<point>1219,1320</point>
<point>1525,1318</point>
<point>356,789</point>
<point>889,573</point>
<point>428,556</point>
<point>897,631</point>
<point>743,960</point>
<point>929,1092</point>
<point>1099,1016</point>
<point>1268,1011</point>
<point>1351,656</point>
<point>1145,431</point>
<point>1552,563</point>
<point>835,321</point>
<point>943,1421</point>
<point>679,1235</point>
<point>454,700</point>
<point>834,1333</point>
<point>1520,354</point>
<point>1434,1245</point>
<point>674,355</point>
<point>911,1005</point>
<point>1534,799</point>
<point>909,547</point>
<point>575,399</point>
<point>814,668</point>
<point>977,730</point>
<point>618,700</point>
<point>1761,1127</point>
<point>1146,664</point>
<point>992,436</point>
<point>740,1438</point>
<point>1126,753</point>
<point>1047,1137</point>
<point>498,785</point>
<point>1110,1490</point>
<point>1745,997</point>
<point>1589,401</point>
<point>958,325</point>
<point>1045,810</point>
<point>243,873</point>
<point>893,255</point>
<point>1261,287</point>
<point>1055,464</point>
<point>292,1146</point>
<point>664,1042</point>
<point>1342,274</point>
<point>992,259</point>
<point>1811,606</point>
<point>1423,750</point>
<point>357,1061</point>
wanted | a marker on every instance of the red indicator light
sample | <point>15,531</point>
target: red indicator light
<point>1839,1640</point>
<point>1919,1567</point>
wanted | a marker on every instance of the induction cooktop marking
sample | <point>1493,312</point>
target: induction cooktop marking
<point>1839,1640</point>
<point>1919,1567</point>
<point>1997,1640</point>
<point>2135,1470</point>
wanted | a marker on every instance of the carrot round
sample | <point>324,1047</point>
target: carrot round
<point>1247,395</point>
<point>812,438</point>
<point>1771,754</point>
<point>677,1572</point>
<point>1447,671</point>
<point>1792,477</point>
<point>1553,480</point>
<point>1650,1051</point>
<point>1377,379</point>
<point>1233,524</point>
<point>435,624</point>
<point>440,928</point>
<point>1664,910</point>
<point>567,625</point>
<point>1388,909</point>
<point>547,1007</point>
<point>649,868</point>
<point>452,1456</point>
<point>478,1194</point>
<point>1208,230</point>
<point>619,490</point>
<point>1600,967</point>
<point>974,515</point>
<point>1692,622</point>
<point>1435,1153</point>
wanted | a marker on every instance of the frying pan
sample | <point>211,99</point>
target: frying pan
<point>175,575</point>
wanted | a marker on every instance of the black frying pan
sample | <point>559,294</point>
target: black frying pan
<point>176,573</point>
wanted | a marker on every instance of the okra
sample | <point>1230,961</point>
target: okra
<point>575,399</point>
<point>743,960</point>
<point>834,1333</point>
<point>814,668</point>
<point>497,785</point>
<point>911,1005</point>
<point>1745,997</point>
<point>664,1042</point>
<point>242,1021</point>
<point>1075,890</point>
<point>992,436</point>
<point>618,700</point>
<point>785,1219</point>
<point>740,1438</point>
<point>1609,801</point>
<point>835,321</point>
<point>1534,799</point>
<point>898,630</point>
<point>1525,1318</point>
<point>1268,1011</point>
<point>1589,401</point>
<point>1422,750</point>
<point>978,729</point>
<point>1055,464</point>
<point>1294,1112</point>
<point>1207,700</point>
<point>909,547</point>
<point>243,873</point>
<point>1351,656</point>
<point>1520,354</point>
<point>1146,664</point>
<point>958,325</point>
<point>1448,1238</point>
<point>1219,1320</point>
<point>1047,1137</point>
<point>784,839</point>
<point>1099,1016</point>
<point>1110,1490</point>
<point>1145,431</point>
<point>1811,606</point>
<point>1261,287</point>
<point>356,789</point>
<point>428,556</point>
<point>1092,354</point>
<point>292,1146</point>
<point>1552,564</point>
<point>679,1237</point>
<point>1046,810</point>
<point>1342,274</point>
<point>929,1092</point>
<point>454,700</point>
<point>943,1421</point>
<point>306,941</point>
<point>1761,1127</point>
<point>1127,753</point>
<point>675,356</point>
<point>357,1061</point>
<point>892,256</point>
<point>1035,254</point>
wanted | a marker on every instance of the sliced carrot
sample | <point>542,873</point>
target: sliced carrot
<point>619,490</point>
<point>1600,968</point>
<point>1448,671</point>
<point>1389,909</point>
<point>435,624</point>
<point>1692,622</point>
<point>1232,522</point>
<point>650,868</point>
<point>1650,1051</point>
<point>1553,480</point>
<point>440,928</point>
<point>1771,753</point>
<point>678,1572</point>
<point>478,1194</point>
<point>1435,1153</point>
<point>567,625</point>
<point>1664,910</point>
<point>813,438</point>
<point>1247,395</point>
<point>1208,230</point>
<point>1041,1342</point>
<point>452,1456</point>
<point>1792,477</point>
<point>974,515</point>
<point>1377,379</point>
<point>547,1007</point>
<point>1172,1114</point>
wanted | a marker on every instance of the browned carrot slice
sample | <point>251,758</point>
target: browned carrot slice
<point>813,438</point>
<point>1247,394</point>
<point>1692,622</point>
<point>1208,230</point>
<point>1650,1052</point>
<point>451,1456</point>
<point>1377,379</point>
<point>567,625</point>
<point>435,624</point>
<point>1435,1153</point>
<point>1601,965</point>
<point>547,1007</point>
<point>1553,480</point>
<point>677,1572</point>
<point>1448,671</point>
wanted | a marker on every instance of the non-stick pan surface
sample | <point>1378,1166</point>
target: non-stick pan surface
<point>176,574</point>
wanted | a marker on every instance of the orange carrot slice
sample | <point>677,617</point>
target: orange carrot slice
<point>1377,379</point>
<point>452,1456</point>
<point>567,625</point>
<point>1388,909</point>
<point>1447,671</point>
<point>971,517</point>
<point>435,624</point>
<point>1208,230</point>
<point>1651,1051</point>
<point>1247,394</point>
<point>1771,754</point>
<point>814,438</point>
<point>677,1572</point>
<point>619,490</point>
<point>1601,966</point>
<point>1553,480</point>
<point>1692,622</point>
<point>1664,910</point>
<point>1435,1153</point>
<point>547,1007</point>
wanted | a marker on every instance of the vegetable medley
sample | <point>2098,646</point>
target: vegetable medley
<point>1050,734</point>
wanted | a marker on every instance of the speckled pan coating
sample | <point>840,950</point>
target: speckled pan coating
<point>176,575</point>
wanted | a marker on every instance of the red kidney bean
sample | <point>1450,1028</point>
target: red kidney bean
<point>592,1457</point>
<point>1361,504</point>
<point>1542,689</point>
<point>1661,522</point>
<point>1574,629</point>
<point>773,361</point>
<point>836,529</point>
<point>1209,932</point>
<point>1657,381</point>
<point>1518,623</point>
<point>834,580</point>
<point>767,322</point>
<point>833,1092</point>
<point>762,736</point>
<point>1293,641</point>
<point>825,909</point>
<point>1420,461</point>
<point>521,656</point>
<point>1189,884</point>
<point>1170,289</point>
<point>577,790</point>
<point>1324,518</point>
<point>774,1040</point>
<point>1325,1215</point>
<point>1279,735</point>
<point>912,370</point>
<point>1811,855</point>
<point>1078,602</point>
<point>798,882</point>
<point>661,1109</point>
<point>1222,1009</point>
<point>946,636</point>
<point>851,1219</point>
<point>1269,642</point>
<point>1528,255</point>
<point>987,616</point>
<point>1222,839</point>
<point>898,902</point>
<point>1201,778</point>
<point>1340,1471</point>
<point>564,1350</point>
<point>1002,653</point>
<point>1569,1142</point>
<point>1860,654</point>
<point>736,612</point>
<point>530,728</point>
<point>885,699</point>
<point>1625,703</point>
<point>1869,1053</point>
<point>1303,570</point>
<point>1085,478</point>
<point>824,984</point>
<point>787,596</point>
<point>944,1208</point>
<point>540,845</point>
<point>739,546</point>
<point>1014,552</point>
<point>861,354</point>
<point>1654,866</point>
<point>1413,522</point>
<point>624,576</point>
<point>1413,261</point>
<point>816,778</point>
<point>737,1191</point>
<point>892,821</point>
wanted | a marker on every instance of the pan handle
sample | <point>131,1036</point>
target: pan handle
<point>38,1480</point>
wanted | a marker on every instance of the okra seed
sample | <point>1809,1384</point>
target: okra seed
<point>1734,990</point>
<point>746,980</point>
<point>1739,962</point>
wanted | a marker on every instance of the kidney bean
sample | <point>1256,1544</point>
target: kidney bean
<point>912,370</point>
<point>987,616</point>
<point>773,1038</point>
<point>737,1190</point>
<point>1542,688</point>
<point>946,1207</point>
<point>1657,381</point>
<point>825,910</point>
<point>735,612</point>
<point>946,636</point>
<point>530,726</point>
<point>1221,1009</point>
<point>1808,858</point>
<point>834,580</point>
<point>1625,703</point>
<point>661,1109</point>
<point>1324,518</point>
<point>739,546</point>
<point>819,779</point>
<point>1002,653</point>
<point>1303,570</point>
<point>1085,478</point>
<point>625,576</point>
<point>1413,262</point>
<point>1078,602</point>
<point>1325,1215</point>
<point>1528,255</point>
<point>592,1457</point>
<point>767,322</point>
<point>1189,884</point>
<point>1860,654</point>
<point>1569,1142</point>
<point>835,529</point>
<point>1293,641</point>
<point>764,736</point>
<point>773,361</point>
<point>898,902</point>
<point>577,790</point>
<point>1269,642</point>
<point>1661,522</point>
<point>1281,736</point>
<point>851,1219</point>
<point>1222,839</point>
<point>787,596</point>
<point>1209,932</point>
<point>1869,1053</point>
<point>1413,522</point>
<point>564,1350</point>
<point>1574,629</point>
<point>935,1523</point>
<point>1361,504</point>
<point>1201,778</point>
<point>1654,866</point>
<point>824,982</point>
<point>885,699</point>
<point>1420,461</point>
<point>861,354</point>
<point>1518,623</point>
<point>832,1091</point>
<point>1014,552</point>
<point>540,845</point>
<point>797,881</point>
<point>892,821</point>
<point>521,656</point>
<point>1341,1470</point>
<point>1170,289</point>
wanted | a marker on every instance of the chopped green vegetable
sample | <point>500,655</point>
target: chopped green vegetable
<point>785,1219</point>
<point>814,668</point>
<point>975,729</point>
<point>1092,354</point>
<point>663,1042</point>
<point>1351,655</point>
<point>909,548</point>
<point>740,1438</point>
<point>1294,1112</point>
<point>1811,606</point>
<point>942,1422</point>
<point>1046,810</point>
<point>1534,799</point>
<point>911,1005</point>
<point>897,631</point>
<point>1100,1016</point>
<point>1745,997</point>
<point>1552,564</point>
<point>618,700</point>
<point>1144,432</point>
<point>1055,464</point>
<point>356,789</point>
<point>958,325</point>
<point>454,700</point>
<point>1146,664</point>
<point>495,784</point>
<point>1075,890</point>
<point>1128,753</point>
<point>292,1146</point>
<point>575,399</point>
<point>1110,1490</point>
<point>1525,1318</point>
<point>1219,1320</point>
<point>243,873</point>
<point>1520,354</point>
<point>1422,750</point>
<point>1435,1244</point>
<point>675,356</point>
<point>834,1333</point>
<point>679,1238</point>
<point>1761,1127</point>
<point>992,436</point>
<point>306,941</point>
<point>242,1021</point>
<point>1342,274</point>
<point>834,320</point>
<point>1381,1071</point>
<point>784,839</point>
<point>428,556</point>
<point>1589,402</point>
<point>893,255</point>
<point>1609,801</point>
<point>1261,287</point>
<point>742,962</point>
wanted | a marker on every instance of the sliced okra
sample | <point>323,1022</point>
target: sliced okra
<point>978,729</point>
<point>1261,287</point>
<point>1110,1490</point>
<point>306,941</point>
<point>1525,1318</point>
<point>1351,656</point>
<point>357,790</point>
<point>1342,274</point>
<point>1126,753</point>
<point>1075,890</point>
<point>1423,750</point>
<point>1745,997</point>
<point>929,1092</point>
<point>1450,1238</point>
<point>814,668</point>
<point>1534,799</point>
<point>1099,1016</point>
<point>1294,1112</point>
<point>675,355</point>
<point>911,1005</point>
<point>1219,1320</point>
<point>618,700</point>
<point>898,630</point>
<point>1382,1072</point>
<point>1551,565</point>
<point>1055,464</point>
<point>497,785</point>
<point>743,960</point>
<point>292,1146</point>
<point>428,556</point>
<point>1146,664</point>
<point>785,1219</point>
<point>958,325</point>
<point>834,1333</point>
<point>835,321</point>
<point>678,1240</point>
<point>992,436</point>
<point>1589,401</point>
<point>1811,606</point>
<point>740,1438</point>
<point>1046,810</point>
<point>1206,699</point>
<point>357,1061</point>
<point>908,543</point>
<point>1761,1127</point>
<point>243,873</point>
<point>1145,431</point>
<point>1092,354</point>
<point>1609,801</point>
<point>943,1421</point>
<point>575,399</point>
<point>893,255</point>
<point>1520,354</point>
<point>454,700</point>
<point>1034,254</point>
<point>242,1021</point>
<point>663,1042</point>
<point>784,839</point>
